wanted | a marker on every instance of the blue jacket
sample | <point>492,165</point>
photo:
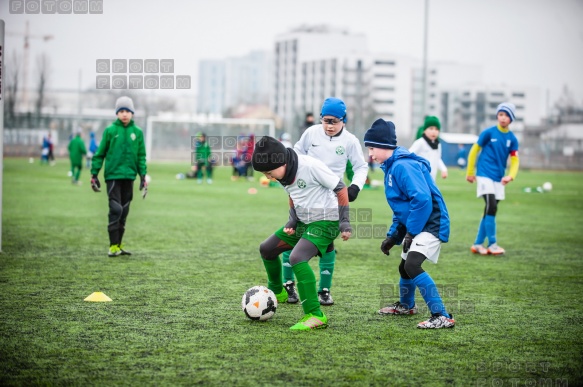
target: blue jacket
<point>414,198</point>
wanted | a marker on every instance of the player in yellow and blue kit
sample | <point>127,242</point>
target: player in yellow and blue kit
<point>495,144</point>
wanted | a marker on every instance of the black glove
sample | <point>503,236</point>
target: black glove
<point>143,183</point>
<point>407,242</point>
<point>95,184</point>
<point>353,191</point>
<point>387,245</point>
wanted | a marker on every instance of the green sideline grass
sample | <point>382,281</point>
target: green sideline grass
<point>176,318</point>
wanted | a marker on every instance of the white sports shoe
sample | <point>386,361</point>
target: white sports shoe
<point>437,322</point>
<point>494,249</point>
<point>479,249</point>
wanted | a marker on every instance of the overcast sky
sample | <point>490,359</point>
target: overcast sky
<point>518,42</point>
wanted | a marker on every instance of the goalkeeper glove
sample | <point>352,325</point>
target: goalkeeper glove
<point>95,184</point>
<point>407,242</point>
<point>387,245</point>
<point>353,191</point>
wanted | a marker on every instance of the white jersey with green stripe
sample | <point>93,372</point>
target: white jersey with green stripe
<point>312,191</point>
<point>335,152</point>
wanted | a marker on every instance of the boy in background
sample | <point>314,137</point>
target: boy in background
<point>495,145</point>
<point>92,148</point>
<point>76,152</point>
<point>429,148</point>
<point>202,158</point>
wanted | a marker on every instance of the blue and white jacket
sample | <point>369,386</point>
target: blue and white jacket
<point>414,198</point>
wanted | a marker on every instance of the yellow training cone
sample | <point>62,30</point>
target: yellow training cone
<point>97,297</point>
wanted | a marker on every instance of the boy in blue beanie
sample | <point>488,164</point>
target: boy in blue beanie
<point>335,146</point>
<point>420,222</point>
<point>496,144</point>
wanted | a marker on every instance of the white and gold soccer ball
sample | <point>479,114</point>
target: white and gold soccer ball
<point>259,303</point>
<point>548,186</point>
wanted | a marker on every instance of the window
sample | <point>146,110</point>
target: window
<point>518,95</point>
<point>384,63</point>
<point>384,75</point>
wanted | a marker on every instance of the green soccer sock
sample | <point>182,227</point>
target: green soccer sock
<point>326,270</point>
<point>273,269</point>
<point>288,273</point>
<point>307,288</point>
<point>77,173</point>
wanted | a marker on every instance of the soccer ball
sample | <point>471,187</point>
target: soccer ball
<point>547,186</point>
<point>148,179</point>
<point>259,303</point>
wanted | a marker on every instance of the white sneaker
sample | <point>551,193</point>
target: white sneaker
<point>494,249</point>
<point>437,322</point>
<point>479,249</point>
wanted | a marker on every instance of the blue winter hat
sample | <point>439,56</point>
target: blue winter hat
<point>334,107</point>
<point>381,135</point>
<point>507,108</point>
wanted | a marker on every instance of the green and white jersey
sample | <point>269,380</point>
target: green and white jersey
<point>312,191</point>
<point>335,152</point>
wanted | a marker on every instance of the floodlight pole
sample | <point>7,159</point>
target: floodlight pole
<point>2,84</point>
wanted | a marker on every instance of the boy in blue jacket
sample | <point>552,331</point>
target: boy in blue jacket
<point>420,222</point>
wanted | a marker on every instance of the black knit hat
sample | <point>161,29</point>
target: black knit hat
<point>381,135</point>
<point>269,154</point>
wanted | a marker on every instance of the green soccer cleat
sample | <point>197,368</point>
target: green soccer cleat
<point>114,251</point>
<point>281,297</point>
<point>311,321</point>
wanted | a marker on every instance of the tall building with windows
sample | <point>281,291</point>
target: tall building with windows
<point>312,63</point>
<point>211,86</point>
<point>472,109</point>
<point>440,76</point>
<point>226,84</point>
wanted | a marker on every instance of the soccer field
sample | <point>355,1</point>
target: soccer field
<point>176,317</point>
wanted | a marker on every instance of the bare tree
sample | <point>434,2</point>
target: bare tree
<point>43,66</point>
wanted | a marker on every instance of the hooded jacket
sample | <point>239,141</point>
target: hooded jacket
<point>414,198</point>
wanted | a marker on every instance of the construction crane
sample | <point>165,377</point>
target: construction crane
<point>27,36</point>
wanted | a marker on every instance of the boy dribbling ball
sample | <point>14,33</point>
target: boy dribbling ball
<point>318,201</point>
